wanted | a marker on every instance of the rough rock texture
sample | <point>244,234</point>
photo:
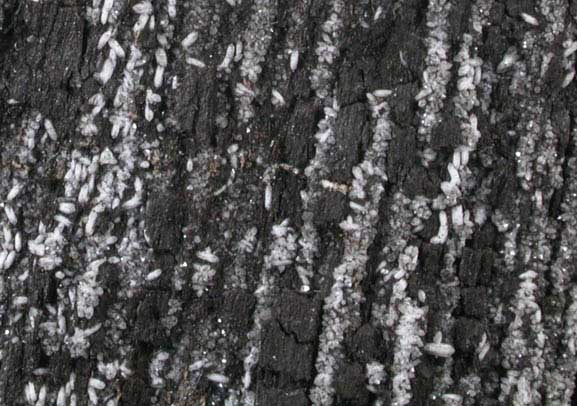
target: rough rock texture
<point>308,202</point>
